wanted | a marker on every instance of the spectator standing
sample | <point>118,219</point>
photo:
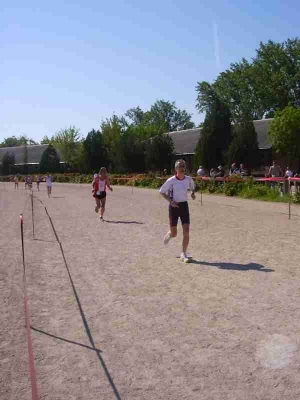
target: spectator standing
<point>213,172</point>
<point>275,170</point>
<point>234,170</point>
<point>288,173</point>
<point>243,170</point>
<point>200,171</point>
<point>220,172</point>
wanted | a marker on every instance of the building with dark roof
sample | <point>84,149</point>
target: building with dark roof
<point>34,154</point>
<point>185,142</point>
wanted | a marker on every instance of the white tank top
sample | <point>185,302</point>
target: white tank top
<point>102,186</point>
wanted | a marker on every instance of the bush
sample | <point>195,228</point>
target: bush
<point>212,186</point>
<point>296,197</point>
<point>231,189</point>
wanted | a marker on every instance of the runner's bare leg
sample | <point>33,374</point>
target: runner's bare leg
<point>186,237</point>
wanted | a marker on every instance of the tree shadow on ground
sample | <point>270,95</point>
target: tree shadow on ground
<point>124,222</point>
<point>234,267</point>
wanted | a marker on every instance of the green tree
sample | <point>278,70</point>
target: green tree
<point>159,152</point>
<point>215,135</point>
<point>13,141</point>
<point>67,142</point>
<point>166,115</point>
<point>284,132</point>
<point>162,117</point>
<point>244,146</point>
<point>50,161</point>
<point>25,159</point>
<point>269,82</point>
<point>112,130</point>
<point>133,152</point>
<point>95,153</point>
<point>46,140</point>
<point>136,115</point>
<point>277,74</point>
<point>8,162</point>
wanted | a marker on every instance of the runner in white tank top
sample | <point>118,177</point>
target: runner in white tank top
<point>100,183</point>
<point>175,191</point>
<point>49,184</point>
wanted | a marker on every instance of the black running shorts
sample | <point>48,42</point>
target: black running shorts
<point>181,212</point>
<point>100,196</point>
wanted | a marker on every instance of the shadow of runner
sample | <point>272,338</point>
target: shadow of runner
<point>233,266</point>
<point>124,222</point>
<point>84,320</point>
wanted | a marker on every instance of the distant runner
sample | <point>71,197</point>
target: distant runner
<point>16,180</point>
<point>29,182</point>
<point>38,180</point>
<point>100,183</point>
<point>49,185</point>
<point>175,190</point>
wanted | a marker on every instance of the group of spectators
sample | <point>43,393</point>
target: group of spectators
<point>275,171</point>
<point>220,171</point>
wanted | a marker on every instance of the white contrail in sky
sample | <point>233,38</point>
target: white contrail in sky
<point>217,47</point>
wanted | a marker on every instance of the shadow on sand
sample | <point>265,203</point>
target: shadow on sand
<point>234,267</point>
<point>124,222</point>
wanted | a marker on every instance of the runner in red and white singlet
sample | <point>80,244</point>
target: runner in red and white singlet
<point>100,183</point>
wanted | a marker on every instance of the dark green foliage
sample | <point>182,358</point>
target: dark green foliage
<point>95,153</point>
<point>244,146</point>
<point>215,135</point>
<point>8,162</point>
<point>159,152</point>
<point>50,161</point>
<point>270,81</point>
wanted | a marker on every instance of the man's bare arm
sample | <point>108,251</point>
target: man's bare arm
<point>166,197</point>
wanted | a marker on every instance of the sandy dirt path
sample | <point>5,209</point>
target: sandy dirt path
<point>125,319</point>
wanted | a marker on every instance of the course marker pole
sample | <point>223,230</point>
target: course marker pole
<point>32,214</point>
<point>34,393</point>
<point>290,195</point>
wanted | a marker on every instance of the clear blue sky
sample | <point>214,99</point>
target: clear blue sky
<point>75,62</point>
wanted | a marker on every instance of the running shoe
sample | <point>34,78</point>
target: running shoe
<point>184,258</point>
<point>167,238</point>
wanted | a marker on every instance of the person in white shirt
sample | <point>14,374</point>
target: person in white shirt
<point>38,180</point>
<point>288,173</point>
<point>49,184</point>
<point>175,191</point>
<point>200,171</point>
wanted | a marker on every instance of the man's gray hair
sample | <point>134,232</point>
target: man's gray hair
<point>180,161</point>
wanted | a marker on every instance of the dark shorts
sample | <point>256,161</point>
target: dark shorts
<point>181,212</point>
<point>100,196</point>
